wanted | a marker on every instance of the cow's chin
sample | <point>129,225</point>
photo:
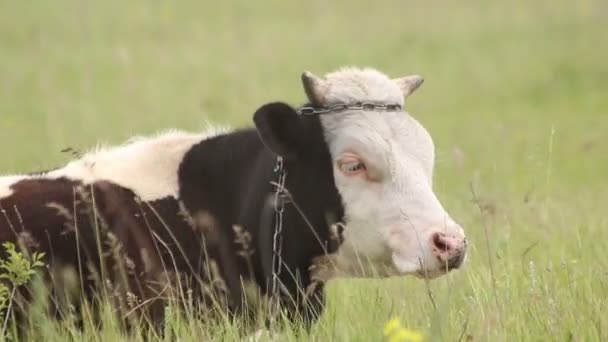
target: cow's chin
<point>378,269</point>
<point>417,269</point>
<point>430,274</point>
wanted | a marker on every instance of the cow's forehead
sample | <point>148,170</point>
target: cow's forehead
<point>382,134</point>
<point>351,85</point>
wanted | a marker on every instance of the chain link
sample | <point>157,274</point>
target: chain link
<point>277,239</point>
<point>341,107</point>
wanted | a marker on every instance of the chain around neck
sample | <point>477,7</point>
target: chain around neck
<point>341,107</point>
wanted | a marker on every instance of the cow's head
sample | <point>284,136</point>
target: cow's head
<point>381,163</point>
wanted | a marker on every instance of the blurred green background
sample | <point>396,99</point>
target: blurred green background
<point>516,97</point>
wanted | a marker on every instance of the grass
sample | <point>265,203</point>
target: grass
<point>515,98</point>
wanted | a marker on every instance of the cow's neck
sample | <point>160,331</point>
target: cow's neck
<point>312,207</point>
<point>230,177</point>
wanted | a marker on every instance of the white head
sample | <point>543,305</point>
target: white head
<point>383,170</point>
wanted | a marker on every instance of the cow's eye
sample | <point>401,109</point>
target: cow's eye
<point>351,166</point>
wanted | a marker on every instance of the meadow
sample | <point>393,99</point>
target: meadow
<point>515,97</point>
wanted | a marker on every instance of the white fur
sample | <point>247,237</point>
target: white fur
<point>5,185</point>
<point>350,85</point>
<point>147,166</point>
<point>390,221</point>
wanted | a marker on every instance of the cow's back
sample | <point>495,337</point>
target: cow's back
<point>110,215</point>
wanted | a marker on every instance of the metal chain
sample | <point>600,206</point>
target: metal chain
<point>277,239</point>
<point>341,107</point>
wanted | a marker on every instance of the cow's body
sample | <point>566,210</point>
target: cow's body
<point>204,207</point>
<point>221,188</point>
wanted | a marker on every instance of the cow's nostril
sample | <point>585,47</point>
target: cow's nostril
<point>449,250</point>
<point>440,242</point>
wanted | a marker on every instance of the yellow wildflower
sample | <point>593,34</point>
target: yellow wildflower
<point>396,333</point>
<point>391,326</point>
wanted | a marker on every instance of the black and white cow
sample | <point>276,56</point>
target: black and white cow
<point>358,201</point>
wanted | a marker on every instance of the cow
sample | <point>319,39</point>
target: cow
<point>338,187</point>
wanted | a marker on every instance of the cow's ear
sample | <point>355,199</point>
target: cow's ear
<point>280,128</point>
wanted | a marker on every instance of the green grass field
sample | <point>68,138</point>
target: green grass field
<point>516,98</point>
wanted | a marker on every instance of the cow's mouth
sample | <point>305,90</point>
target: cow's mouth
<point>438,266</point>
<point>454,263</point>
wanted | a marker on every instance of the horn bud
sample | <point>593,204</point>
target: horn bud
<point>409,84</point>
<point>315,88</point>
